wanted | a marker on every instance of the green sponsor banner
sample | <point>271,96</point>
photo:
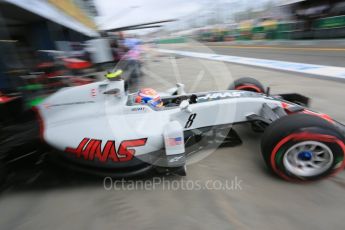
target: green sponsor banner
<point>34,102</point>
<point>329,23</point>
<point>31,87</point>
<point>258,29</point>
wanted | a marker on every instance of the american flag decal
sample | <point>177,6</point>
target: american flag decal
<point>174,141</point>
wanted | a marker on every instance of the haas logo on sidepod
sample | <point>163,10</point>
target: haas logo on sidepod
<point>91,149</point>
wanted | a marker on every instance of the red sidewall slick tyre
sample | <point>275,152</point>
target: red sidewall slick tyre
<point>290,135</point>
<point>247,84</point>
<point>2,172</point>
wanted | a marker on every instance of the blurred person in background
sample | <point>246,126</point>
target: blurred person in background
<point>131,59</point>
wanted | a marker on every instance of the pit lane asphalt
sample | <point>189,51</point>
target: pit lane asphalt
<point>325,55</point>
<point>262,202</point>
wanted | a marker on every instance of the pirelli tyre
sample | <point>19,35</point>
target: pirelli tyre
<point>247,84</point>
<point>303,147</point>
<point>2,173</point>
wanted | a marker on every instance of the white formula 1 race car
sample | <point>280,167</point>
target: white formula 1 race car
<point>101,128</point>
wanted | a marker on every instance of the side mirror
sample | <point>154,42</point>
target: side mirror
<point>180,89</point>
<point>115,92</point>
<point>185,106</point>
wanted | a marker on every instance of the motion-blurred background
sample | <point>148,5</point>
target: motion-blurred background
<point>50,44</point>
<point>43,40</point>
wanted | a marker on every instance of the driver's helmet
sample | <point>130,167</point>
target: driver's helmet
<point>149,96</point>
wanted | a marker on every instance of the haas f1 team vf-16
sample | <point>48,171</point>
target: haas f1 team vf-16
<point>100,127</point>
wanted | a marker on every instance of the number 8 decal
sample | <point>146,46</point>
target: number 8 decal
<point>190,121</point>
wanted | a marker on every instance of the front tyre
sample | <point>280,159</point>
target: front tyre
<point>303,147</point>
<point>247,84</point>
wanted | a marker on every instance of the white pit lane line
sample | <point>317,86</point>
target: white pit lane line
<point>320,70</point>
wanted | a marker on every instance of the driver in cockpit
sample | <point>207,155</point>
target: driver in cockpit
<point>150,97</point>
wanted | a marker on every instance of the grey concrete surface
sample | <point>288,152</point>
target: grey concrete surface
<point>262,201</point>
<point>318,43</point>
<point>329,57</point>
<point>328,53</point>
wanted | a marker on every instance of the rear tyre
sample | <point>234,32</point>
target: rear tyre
<point>247,84</point>
<point>2,173</point>
<point>303,147</point>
